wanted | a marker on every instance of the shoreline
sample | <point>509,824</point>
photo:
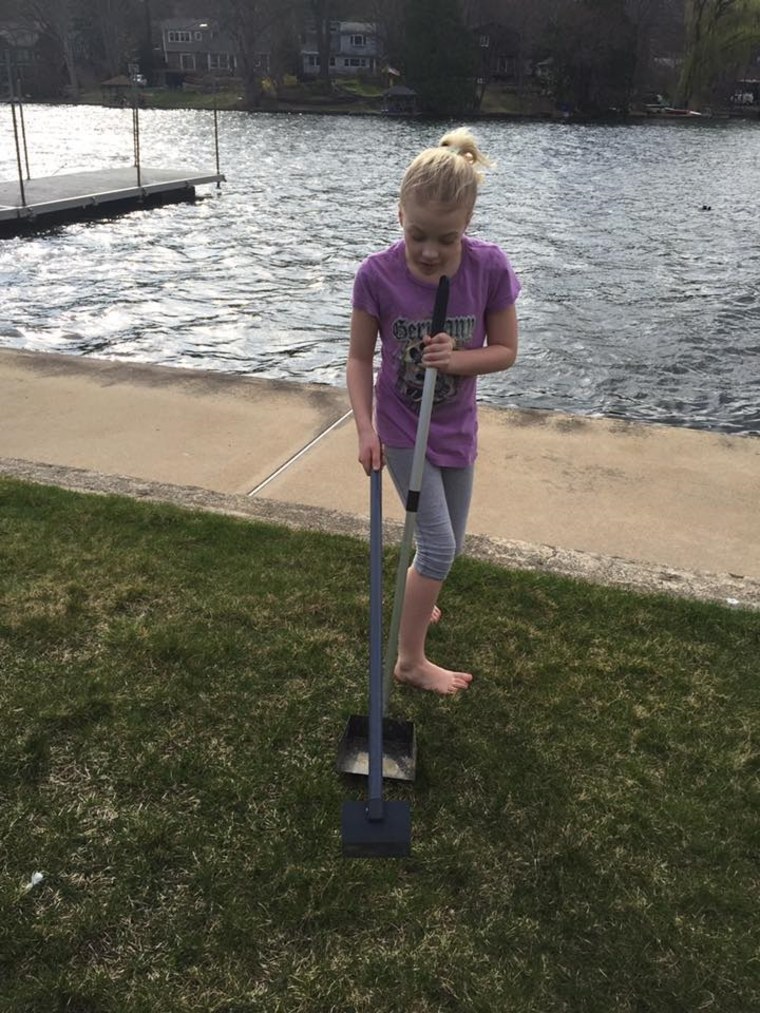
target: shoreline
<point>648,507</point>
<point>357,109</point>
<point>722,430</point>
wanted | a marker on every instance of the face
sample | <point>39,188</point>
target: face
<point>433,236</point>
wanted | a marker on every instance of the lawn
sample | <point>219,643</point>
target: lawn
<point>173,685</point>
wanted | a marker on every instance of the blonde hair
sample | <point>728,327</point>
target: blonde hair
<point>447,174</point>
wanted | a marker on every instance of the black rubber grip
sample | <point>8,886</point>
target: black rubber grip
<point>441,305</point>
<point>412,501</point>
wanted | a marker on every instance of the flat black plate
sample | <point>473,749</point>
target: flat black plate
<point>390,837</point>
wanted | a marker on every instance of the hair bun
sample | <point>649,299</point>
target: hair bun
<point>448,173</point>
<point>461,142</point>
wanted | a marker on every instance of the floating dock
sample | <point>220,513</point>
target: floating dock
<point>82,195</point>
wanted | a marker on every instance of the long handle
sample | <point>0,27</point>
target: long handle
<point>375,785</point>
<point>413,495</point>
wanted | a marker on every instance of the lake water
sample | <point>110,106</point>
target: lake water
<point>636,303</point>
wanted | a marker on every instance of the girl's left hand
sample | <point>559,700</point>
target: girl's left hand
<point>438,351</point>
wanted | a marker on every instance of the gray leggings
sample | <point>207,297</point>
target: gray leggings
<point>442,513</point>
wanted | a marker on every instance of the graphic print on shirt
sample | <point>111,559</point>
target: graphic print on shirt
<point>411,373</point>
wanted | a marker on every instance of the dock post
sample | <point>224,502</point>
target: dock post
<point>23,126</point>
<point>136,134</point>
<point>15,127</point>
<point>216,140</point>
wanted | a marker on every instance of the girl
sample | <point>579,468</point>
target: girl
<point>394,292</point>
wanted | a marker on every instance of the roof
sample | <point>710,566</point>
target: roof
<point>357,27</point>
<point>187,24</point>
<point>19,35</point>
<point>399,91</point>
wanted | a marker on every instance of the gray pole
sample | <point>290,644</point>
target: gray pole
<point>15,129</point>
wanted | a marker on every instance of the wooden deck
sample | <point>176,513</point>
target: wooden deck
<point>79,194</point>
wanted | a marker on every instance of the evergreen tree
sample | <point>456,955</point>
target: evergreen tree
<point>439,57</point>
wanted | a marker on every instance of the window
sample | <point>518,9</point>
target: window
<point>199,36</point>
<point>218,61</point>
<point>180,36</point>
<point>359,41</point>
<point>485,41</point>
<point>187,61</point>
<point>313,61</point>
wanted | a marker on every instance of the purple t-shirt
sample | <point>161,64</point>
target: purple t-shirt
<point>403,306</point>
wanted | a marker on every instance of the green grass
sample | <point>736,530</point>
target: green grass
<point>504,100</point>
<point>157,98</point>
<point>172,689</point>
<point>172,98</point>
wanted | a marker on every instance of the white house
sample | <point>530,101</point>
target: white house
<point>354,50</point>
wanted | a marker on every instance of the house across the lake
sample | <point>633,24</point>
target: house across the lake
<point>199,47</point>
<point>354,50</point>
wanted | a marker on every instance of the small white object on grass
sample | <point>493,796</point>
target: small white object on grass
<point>37,877</point>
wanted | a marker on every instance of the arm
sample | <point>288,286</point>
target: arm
<point>359,376</point>
<point>499,352</point>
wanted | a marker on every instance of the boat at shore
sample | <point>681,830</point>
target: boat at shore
<point>670,112</point>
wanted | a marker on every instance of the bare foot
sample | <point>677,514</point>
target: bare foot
<point>435,615</point>
<point>432,677</point>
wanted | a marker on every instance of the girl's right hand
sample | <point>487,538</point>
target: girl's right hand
<point>370,452</point>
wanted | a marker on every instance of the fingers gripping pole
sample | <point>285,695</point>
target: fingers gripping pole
<point>413,495</point>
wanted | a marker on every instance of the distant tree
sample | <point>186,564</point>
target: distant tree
<point>720,36</point>
<point>320,12</point>
<point>523,23</point>
<point>146,20</point>
<point>388,18</point>
<point>645,16</point>
<point>439,56</point>
<point>285,45</point>
<point>57,21</point>
<point>659,32</point>
<point>593,47</point>
<point>252,24</point>
<point>109,34</point>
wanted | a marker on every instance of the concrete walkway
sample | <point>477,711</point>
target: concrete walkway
<point>640,505</point>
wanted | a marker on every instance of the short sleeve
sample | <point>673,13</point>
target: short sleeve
<point>364,297</point>
<point>504,285</point>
